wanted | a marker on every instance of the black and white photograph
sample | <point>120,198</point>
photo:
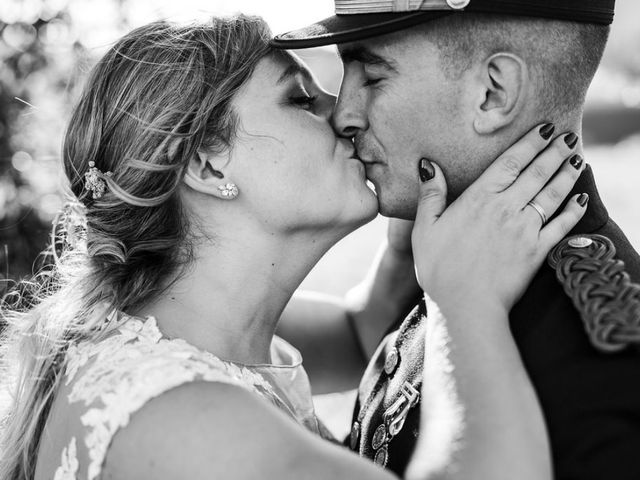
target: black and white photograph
<point>319,239</point>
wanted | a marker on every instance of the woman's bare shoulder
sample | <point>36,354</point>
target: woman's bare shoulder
<point>204,430</point>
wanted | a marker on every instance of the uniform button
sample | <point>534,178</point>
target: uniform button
<point>391,362</point>
<point>355,436</point>
<point>379,437</point>
<point>580,242</point>
<point>458,4</point>
<point>382,456</point>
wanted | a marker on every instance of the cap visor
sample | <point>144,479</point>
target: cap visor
<point>349,28</point>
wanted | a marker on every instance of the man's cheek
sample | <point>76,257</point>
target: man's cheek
<point>405,127</point>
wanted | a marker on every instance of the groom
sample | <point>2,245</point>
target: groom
<point>458,81</point>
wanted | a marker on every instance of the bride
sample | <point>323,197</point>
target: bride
<point>209,182</point>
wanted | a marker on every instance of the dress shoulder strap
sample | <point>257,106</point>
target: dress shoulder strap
<point>117,376</point>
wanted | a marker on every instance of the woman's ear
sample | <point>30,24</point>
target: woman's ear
<point>505,83</point>
<point>202,177</point>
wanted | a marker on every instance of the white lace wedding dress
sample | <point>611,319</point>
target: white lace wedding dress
<point>110,380</point>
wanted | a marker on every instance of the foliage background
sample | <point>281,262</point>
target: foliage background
<point>48,46</point>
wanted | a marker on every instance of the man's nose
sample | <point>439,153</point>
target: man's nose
<point>349,115</point>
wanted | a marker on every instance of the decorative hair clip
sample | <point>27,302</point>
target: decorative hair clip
<point>94,181</point>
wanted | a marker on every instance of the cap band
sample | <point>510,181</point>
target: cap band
<point>357,7</point>
<point>360,19</point>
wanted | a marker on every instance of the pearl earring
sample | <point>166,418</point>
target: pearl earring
<point>230,190</point>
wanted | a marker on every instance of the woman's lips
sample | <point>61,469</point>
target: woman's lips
<point>362,165</point>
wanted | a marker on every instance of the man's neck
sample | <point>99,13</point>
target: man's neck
<point>572,124</point>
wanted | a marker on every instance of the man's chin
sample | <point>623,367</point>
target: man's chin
<point>397,199</point>
<point>402,211</point>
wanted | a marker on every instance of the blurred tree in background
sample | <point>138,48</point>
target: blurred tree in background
<point>43,62</point>
<point>28,67</point>
<point>47,47</point>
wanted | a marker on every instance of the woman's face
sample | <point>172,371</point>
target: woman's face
<point>288,163</point>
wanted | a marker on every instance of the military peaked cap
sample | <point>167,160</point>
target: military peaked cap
<point>359,19</point>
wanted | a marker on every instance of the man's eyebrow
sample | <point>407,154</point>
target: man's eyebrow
<point>291,71</point>
<point>363,55</point>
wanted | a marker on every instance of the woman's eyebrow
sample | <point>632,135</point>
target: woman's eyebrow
<point>363,55</point>
<point>291,71</point>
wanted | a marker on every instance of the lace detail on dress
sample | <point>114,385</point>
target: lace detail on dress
<point>69,467</point>
<point>128,370</point>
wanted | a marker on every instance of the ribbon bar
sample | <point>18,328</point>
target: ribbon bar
<point>358,7</point>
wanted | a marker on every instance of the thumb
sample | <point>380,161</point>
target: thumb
<point>433,192</point>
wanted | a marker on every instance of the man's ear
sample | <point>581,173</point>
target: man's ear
<point>203,177</point>
<point>505,83</point>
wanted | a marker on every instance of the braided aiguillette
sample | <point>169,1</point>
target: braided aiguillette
<point>601,290</point>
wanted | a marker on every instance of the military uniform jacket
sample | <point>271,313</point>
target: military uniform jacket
<point>589,392</point>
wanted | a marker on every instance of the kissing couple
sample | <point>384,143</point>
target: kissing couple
<point>209,172</point>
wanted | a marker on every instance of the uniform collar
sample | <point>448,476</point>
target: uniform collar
<point>596,215</point>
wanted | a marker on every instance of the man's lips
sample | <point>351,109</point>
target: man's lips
<point>369,162</point>
<point>355,156</point>
<point>362,152</point>
<point>364,158</point>
<point>366,161</point>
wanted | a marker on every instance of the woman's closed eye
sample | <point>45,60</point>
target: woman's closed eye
<point>371,82</point>
<point>305,100</point>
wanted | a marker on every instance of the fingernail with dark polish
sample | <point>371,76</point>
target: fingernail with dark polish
<point>426,170</point>
<point>583,199</point>
<point>571,140</point>
<point>547,130</point>
<point>576,161</point>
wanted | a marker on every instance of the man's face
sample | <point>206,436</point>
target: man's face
<point>398,104</point>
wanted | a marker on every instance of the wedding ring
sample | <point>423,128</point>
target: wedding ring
<point>540,210</point>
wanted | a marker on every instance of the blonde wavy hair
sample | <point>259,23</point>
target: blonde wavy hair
<point>159,95</point>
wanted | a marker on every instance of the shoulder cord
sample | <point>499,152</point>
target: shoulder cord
<point>601,290</point>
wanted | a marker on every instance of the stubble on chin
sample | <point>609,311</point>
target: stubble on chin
<point>397,206</point>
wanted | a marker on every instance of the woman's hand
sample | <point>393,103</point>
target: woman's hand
<point>487,245</point>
